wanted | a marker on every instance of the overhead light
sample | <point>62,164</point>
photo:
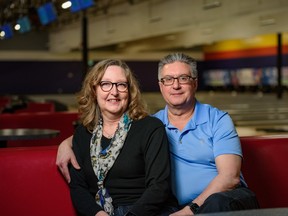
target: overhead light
<point>264,21</point>
<point>17,27</point>
<point>66,5</point>
<point>155,19</point>
<point>2,34</point>
<point>209,4</point>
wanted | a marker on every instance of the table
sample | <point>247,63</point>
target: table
<point>25,134</point>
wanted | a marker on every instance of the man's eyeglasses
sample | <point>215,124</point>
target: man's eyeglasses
<point>182,79</point>
<point>106,86</point>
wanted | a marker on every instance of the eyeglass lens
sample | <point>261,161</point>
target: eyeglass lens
<point>169,80</point>
<point>107,86</point>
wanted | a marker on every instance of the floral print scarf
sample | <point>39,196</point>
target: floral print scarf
<point>103,159</point>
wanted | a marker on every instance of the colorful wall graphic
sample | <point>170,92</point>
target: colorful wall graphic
<point>245,62</point>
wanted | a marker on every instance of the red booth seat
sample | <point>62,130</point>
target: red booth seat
<point>30,183</point>
<point>62,121</point>
<point>37,107</point>
<point>4,101</point>
<point>265,168</point>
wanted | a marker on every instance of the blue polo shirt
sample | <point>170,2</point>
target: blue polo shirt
<point>209,133</point>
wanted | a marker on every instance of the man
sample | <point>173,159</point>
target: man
<point>205,149</point>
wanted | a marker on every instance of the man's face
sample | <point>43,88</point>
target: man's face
<point>178,95</point>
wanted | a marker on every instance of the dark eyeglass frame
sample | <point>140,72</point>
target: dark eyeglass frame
<point>180,81</point>
<point>117,84</point>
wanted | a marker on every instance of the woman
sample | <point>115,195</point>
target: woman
<point>123,152</point>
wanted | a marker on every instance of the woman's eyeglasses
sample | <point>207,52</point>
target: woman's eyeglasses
<point>106,86</point>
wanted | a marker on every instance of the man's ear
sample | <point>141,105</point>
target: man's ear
<point>196,84</point>
<point>160,86</point>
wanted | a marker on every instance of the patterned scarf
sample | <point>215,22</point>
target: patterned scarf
<point>103,159</point>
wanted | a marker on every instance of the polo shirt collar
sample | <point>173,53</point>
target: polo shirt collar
<point>199,116</point>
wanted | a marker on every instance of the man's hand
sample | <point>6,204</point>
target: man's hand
<point>183,212</point>
<point>102,213</point>
<point>65,155</point>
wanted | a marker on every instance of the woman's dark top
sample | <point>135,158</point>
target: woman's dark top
<point>140,175</point>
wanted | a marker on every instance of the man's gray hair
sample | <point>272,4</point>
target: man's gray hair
<point>178,57</point>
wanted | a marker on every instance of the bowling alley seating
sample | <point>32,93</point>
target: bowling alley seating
<point>37,107</point>
<point>31,183</point>
<point>64,122</point>
<point>265,168</point>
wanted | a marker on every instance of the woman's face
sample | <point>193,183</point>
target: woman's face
<point>113,103</point>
